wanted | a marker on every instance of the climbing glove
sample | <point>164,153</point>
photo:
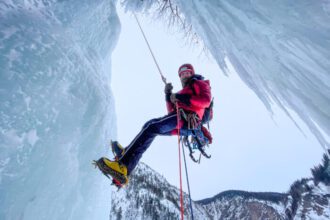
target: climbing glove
<point>168,88</point>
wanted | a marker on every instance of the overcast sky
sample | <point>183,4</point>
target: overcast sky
<point>251,151</point>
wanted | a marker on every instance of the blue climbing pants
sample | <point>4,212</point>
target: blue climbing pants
<point>158,126</point>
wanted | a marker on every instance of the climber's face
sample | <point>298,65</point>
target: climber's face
<point>184,77</point>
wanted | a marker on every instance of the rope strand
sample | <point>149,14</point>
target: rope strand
<point>181,193</point>
<point>187,177</point>
<point>178,122</point>
<point>152,54</point>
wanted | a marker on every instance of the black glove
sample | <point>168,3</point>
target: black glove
<point>168,88</point>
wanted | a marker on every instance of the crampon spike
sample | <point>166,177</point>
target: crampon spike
<point>96,165</point>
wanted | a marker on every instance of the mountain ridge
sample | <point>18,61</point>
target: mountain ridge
<point>150,196</point>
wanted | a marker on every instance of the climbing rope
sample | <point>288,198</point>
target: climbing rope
<point>181,194</point>
<point>178,121</point>
<point>187,177</point>
<point>152,54</point>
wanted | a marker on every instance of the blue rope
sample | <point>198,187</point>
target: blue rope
<point>185,165</point>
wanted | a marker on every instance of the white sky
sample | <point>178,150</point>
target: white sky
<point>251,151</point>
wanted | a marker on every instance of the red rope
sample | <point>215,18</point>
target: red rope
<point>181,193</point>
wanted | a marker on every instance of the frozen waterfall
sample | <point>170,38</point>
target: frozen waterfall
<point>57,110</point>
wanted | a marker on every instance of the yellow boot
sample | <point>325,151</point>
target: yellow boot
<point>113,168</point>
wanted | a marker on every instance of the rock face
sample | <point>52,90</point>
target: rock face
<point>310,198</point>
<point>150,196</point>
<point>245,205</point>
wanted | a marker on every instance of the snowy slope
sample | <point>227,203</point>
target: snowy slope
<point>150,196</point>
<point>280,49</point>
<point>246,205</point>
<point>56,109</point>
<point>313,202</point>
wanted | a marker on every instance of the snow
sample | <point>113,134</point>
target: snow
<point>314,204</point>
<point>321,189</point>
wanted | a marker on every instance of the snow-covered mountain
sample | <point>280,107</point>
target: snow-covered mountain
<point>245,205</point>
<point>150,196</point>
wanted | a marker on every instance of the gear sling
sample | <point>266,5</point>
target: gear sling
<point>192,133</point>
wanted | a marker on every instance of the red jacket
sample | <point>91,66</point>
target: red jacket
<point>194,97</point>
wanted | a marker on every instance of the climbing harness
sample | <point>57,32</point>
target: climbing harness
<point>192,136</point>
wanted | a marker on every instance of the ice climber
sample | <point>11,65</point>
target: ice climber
<point>191,101</point>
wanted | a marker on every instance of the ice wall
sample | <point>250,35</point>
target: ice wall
<point>280,49</point>
<point>57,111</point>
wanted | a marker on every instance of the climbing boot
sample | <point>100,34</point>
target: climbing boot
<point>113,169</point>
<point>117,149</point>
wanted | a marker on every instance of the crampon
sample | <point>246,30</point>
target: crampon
<point>113,171</point>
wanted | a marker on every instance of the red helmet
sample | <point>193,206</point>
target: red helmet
<point>186,67</point>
